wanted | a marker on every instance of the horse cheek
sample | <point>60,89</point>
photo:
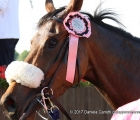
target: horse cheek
<point>82,60</point>
<point>60,84</point>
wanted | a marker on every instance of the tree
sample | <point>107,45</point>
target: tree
<point>23,55</point>
<point>16,55</point>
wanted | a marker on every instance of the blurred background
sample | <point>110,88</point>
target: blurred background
<point>30,11</point>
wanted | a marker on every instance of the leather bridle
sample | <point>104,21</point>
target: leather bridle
<point>47,100</point>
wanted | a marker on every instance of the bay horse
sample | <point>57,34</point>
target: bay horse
<point>109,59</point>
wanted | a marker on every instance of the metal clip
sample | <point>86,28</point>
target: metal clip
<point>54,113</point>
<point>42,91</point>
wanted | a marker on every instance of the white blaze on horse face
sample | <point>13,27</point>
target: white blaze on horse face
<point>49,29</point>
<point>43,33</point>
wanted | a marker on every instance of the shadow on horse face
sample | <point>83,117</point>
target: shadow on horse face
<point>49,49</point>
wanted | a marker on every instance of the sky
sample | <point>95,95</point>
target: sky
<point>129,13</point>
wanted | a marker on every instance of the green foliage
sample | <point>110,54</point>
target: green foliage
<point>22,56</point>
<point>85,84</point>
<point>3,83</point>
<point>16,55</point>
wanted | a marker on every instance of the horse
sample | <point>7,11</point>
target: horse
<point>109,58</point>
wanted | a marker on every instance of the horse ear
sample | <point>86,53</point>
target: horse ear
<point>49,6</point>
<point>74,6</point>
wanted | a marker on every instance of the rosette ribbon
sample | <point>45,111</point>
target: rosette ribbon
<point>77,26</point>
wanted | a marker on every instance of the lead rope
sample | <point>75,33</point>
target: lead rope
<point>43,105</point>
<point>44,98</point>
<point>41,116</point>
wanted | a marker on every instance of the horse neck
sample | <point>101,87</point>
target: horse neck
<point>112,64</point>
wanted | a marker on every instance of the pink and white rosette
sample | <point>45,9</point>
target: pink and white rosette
<point>78,26</point>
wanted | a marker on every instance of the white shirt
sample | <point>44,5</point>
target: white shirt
<point>9,19</point>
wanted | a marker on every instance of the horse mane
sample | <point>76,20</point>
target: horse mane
<point>98,17</point>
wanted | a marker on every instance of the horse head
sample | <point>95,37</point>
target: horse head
<point>108,58</point>
<point>48,55</point>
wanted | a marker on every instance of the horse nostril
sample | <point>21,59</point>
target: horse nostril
<point>10,105</point>
<point>10,101</point>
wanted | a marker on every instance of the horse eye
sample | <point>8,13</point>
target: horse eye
<point>52,42</point>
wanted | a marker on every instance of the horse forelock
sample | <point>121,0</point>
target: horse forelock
<point>49,16</point>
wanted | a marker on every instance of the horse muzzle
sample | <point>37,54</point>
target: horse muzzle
<point>26,112</point>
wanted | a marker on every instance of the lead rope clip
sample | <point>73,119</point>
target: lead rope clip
<point>53,111</point>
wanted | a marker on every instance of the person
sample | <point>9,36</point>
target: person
<point>129,111</point>
<point>9,30</point>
